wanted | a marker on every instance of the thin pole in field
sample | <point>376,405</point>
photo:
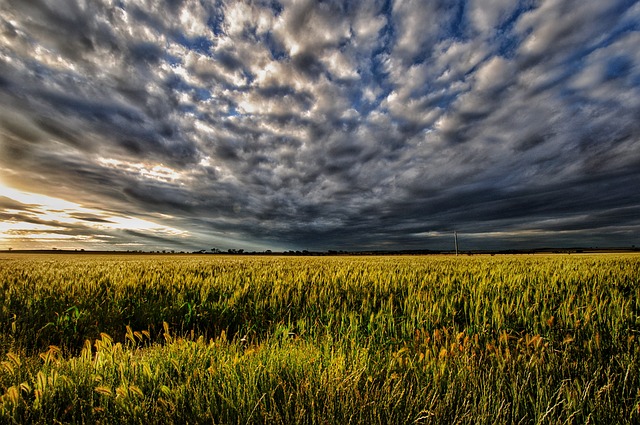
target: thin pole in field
<point>455,235</point>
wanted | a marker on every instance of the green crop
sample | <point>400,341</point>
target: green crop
<point>319,340</point>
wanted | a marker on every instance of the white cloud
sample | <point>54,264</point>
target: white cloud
<point>193,19</point>
<point>240,15</point>
<point>558,25</point>
<point>610,71</point>
<point>495,74</point>
<point>486,15</point>
<point>454,59</point>
<point>305,26</point>
<point>417,24</point>
<point>339,64</point>
<point>367,24</point>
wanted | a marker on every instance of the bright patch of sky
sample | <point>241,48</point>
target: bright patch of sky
<point>40,221</point>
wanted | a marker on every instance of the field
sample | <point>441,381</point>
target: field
<point>537,339</point>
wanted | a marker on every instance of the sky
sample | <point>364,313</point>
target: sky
<point>348,125</point>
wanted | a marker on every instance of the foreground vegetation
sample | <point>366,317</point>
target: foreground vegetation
<point>235,340</point>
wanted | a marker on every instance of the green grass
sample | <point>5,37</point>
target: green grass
<point>389,340</point>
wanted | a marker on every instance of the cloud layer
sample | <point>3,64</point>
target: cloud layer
<point>308,125</point>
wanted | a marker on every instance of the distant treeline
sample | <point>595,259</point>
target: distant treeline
<point>572,250</point>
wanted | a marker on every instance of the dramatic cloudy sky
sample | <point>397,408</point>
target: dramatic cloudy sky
<point>193,124</point>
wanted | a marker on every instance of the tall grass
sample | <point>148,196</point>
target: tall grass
<point>204,339</point>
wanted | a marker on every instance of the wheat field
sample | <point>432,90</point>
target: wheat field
<point>529,339</point>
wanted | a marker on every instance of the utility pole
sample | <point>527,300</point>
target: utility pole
<point>455,235</point>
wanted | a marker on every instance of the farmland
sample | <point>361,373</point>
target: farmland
<point>319,340</point>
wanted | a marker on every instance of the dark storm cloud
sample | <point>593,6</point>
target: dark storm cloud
<point>32,217</point>
<point>154,239</point>
<point>327,125</point>
<point>91,218</point>
<point>11,204</point>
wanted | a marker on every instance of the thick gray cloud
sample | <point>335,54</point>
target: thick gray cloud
<point>305,125</point>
